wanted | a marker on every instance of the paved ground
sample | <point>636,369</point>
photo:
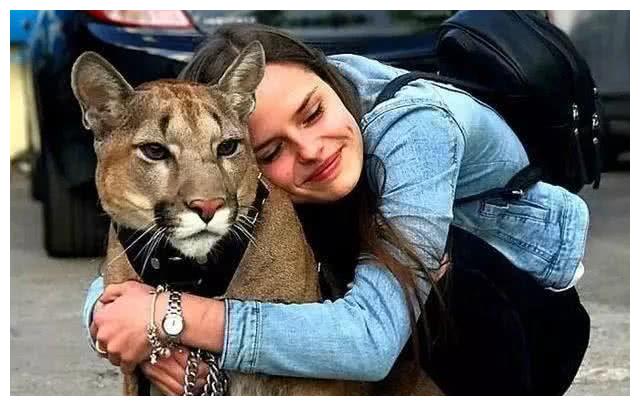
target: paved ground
<point>49,354</point>
<point>605,290</point>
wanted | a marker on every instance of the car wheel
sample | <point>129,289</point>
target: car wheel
<point>37,177</point>
<point>74,223</point>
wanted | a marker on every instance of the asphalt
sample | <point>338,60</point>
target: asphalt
<point>50,354</point>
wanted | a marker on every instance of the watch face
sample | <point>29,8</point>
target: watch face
<point>172,325</point>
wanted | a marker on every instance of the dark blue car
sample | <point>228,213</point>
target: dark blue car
<point>148,45</point>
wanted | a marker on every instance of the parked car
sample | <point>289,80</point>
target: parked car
<point>603,38</point>
<point>148,45</point>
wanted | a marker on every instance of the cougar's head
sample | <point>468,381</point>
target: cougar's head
<point>174,158</point>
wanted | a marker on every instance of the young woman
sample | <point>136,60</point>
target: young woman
<point>393,172</point>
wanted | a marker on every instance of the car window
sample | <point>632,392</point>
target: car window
<point>329,24</point>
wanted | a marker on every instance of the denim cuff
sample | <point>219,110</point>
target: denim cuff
<point>87,324</point>
<point>93,294</point>
<point>241,335</point>
<point>562,272</point>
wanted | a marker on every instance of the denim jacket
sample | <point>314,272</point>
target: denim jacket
<point>437,144</point>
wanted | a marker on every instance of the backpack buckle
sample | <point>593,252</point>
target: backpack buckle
<point>513,194</point>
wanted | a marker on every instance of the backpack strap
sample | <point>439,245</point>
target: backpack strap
<point>397,83</point>
<point>514,189</point>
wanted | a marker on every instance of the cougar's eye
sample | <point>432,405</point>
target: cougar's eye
<point>228,147</point>
<point>154,151</point>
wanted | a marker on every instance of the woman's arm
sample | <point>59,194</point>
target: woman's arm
<point>357,337</point>
<point>198,312</point>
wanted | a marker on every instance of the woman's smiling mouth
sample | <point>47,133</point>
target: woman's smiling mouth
<point>327,170</point>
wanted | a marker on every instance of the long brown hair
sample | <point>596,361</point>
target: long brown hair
<point>341,231</point>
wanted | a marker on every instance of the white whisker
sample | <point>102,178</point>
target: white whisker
<point>153,225</point>
<point>235,234</point>
<point>246,221</point>
<point>243,232</point>
<point>247,208</point>
<point>155,240</point>
<point>240,226</point>
<point>148,244</point>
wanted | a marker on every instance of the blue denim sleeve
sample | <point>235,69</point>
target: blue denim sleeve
<point>93,294</point>
<point>357,337</point>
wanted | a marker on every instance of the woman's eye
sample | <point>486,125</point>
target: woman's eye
<point>272,155</point>
<point>154,151</point>
<point>227,148</point>
<point>313,117</point>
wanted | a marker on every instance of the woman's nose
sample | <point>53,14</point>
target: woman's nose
<point>309,150</point>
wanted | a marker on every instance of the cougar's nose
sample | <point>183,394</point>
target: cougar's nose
<point>206,208</point>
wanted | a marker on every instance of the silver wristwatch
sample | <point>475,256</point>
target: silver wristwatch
<point>173,322</point>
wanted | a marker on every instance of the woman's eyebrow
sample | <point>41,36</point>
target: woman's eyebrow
<point>304,103</point>
<point>299,111</point>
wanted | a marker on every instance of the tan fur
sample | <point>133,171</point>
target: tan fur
<point>191,120</point>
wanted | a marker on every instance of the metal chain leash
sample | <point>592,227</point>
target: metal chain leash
<point>217,381</point>
<point>191,372</point>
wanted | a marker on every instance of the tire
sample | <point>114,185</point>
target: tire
<point>74,223</point>
<point>37,178</point>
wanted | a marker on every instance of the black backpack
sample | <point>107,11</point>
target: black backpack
<point>531,74</point>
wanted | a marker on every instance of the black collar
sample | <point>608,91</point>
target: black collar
<point>165,265</point>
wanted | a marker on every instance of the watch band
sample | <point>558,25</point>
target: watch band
<point>174,309</point>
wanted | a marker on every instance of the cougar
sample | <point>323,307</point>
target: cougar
<point>174,161</point>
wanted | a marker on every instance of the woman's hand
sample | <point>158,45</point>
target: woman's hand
<point>168,373</point>
<point>120,324</point>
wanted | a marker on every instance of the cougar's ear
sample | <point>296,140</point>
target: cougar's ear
<point>101,91</point>
<point>241,79</point>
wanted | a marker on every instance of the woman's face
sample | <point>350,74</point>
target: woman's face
<point>305,140</point>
